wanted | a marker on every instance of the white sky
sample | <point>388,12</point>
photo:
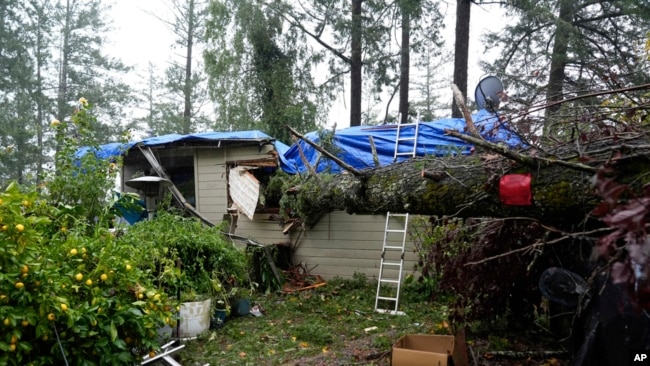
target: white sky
<point>139,38</point>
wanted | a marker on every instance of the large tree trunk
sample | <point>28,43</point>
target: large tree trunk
<point>554,92</point>
<point>468,186</point>
<point>405,65</point>
<point>187,88</point>
<point>461,51</point>
<point>356,65</point>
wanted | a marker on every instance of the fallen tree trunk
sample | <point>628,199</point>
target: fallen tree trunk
<point>468,186</point>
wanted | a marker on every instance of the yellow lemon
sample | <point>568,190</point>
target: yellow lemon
<point>14,339</point>
<point>25,323</point>
<point>12,348</point>
<point>89,282</point>
<point>73,251</point>
<point>128,267</point>
<point>24,269</point>
<point>64,307</point>
<point>51,317</point>
<point>103,277</point>
<point>20,228</point>
<point>79,277</point>
<point>6,322</point>
<point>5,227</point>
<point>19,285</point>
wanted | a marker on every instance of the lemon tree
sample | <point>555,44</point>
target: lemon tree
<point>69,291</point>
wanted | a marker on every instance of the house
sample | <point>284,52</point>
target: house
<point>219,177</point>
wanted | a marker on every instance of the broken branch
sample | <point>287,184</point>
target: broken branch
<point>338,161</point>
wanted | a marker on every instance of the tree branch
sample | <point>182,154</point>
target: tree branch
<point>338,161</point>
<point>460,102</point>
<point>531,161</point>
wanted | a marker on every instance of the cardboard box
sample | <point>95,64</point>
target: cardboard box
<point>423,349</point>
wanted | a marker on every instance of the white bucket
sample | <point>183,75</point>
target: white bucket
<point>194,318</point>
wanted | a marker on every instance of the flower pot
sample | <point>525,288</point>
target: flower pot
<point>194,318</point>
<point>241,307</point>
<point>218,318</point>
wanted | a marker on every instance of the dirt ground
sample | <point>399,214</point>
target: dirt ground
<point>479,353</point>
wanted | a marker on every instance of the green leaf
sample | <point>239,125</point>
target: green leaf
<point>113,332</point>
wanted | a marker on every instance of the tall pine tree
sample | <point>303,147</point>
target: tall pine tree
<point>556,49</point>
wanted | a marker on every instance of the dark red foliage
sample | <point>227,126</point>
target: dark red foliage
<point>627,247</point>
<point>496,288</point>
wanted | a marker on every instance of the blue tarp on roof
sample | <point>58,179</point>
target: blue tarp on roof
<point>110,150</point>
<point>353,144</point>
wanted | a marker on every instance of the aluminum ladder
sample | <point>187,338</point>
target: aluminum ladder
<point>399,138</point>
<point>392,258</point>
<point>163,355</point>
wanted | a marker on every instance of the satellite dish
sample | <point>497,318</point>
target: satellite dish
<point>488,93</point>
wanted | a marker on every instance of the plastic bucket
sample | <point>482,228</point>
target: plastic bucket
<point>194,318</point>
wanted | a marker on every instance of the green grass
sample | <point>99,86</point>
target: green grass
<point>322,326</point>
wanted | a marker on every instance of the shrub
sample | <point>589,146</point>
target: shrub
<point>69,292</point>
<point>206,257</point>
<point>69,296</point>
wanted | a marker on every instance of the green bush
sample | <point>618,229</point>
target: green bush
<point>206,257</point>
<point>68,295</point>
<point>69,292</point>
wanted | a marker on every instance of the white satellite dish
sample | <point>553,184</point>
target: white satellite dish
<point>488,93</point>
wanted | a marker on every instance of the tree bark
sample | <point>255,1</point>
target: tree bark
<point>187,87</point>
<point>405,64</point>
<point>356,65</point>
<point>559,56</point>
<point>461,51</point>
<point>468,186</point>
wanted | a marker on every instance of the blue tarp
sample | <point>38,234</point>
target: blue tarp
<point>113,149</point>
<point>352,145</point>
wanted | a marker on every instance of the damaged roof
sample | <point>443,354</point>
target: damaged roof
<point>202,138</point>
<point>361,147</point>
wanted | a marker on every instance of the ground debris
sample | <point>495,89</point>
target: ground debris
<point>297,278</point>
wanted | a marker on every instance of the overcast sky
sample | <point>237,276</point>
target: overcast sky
<point>139,38</point>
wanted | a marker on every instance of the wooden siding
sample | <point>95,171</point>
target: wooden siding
<point>261,229</point>
<point>340,245</point>
<point>211,176</point>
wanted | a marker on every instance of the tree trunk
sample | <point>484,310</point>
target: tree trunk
<point>187,88</point>
<point>466,186</point>
<point>461,51</point>
<point>405,64</point>
<point>355,65</point>
<point>554,92</point>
